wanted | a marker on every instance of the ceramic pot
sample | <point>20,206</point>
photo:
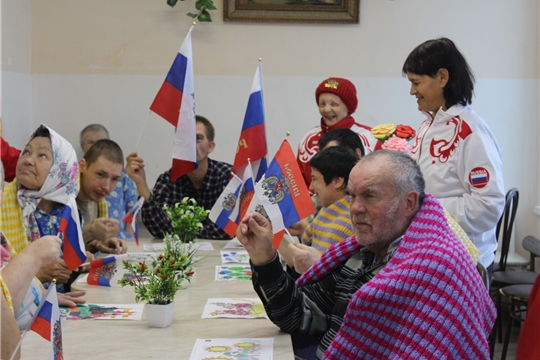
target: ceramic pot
<point>159,315</point>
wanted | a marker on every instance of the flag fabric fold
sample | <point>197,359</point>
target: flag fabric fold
<point>252,145</point>
<point>131,218</point>
<point>175,102</point>
<point>106,271</point>
<point>73,248</point>
<point>225,212</point>
<point>247,192</point>
<point>282,195</point>
<point>47,323</point>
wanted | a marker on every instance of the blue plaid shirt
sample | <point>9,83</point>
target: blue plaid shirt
<point>216,179</point>
<point>121,200</point>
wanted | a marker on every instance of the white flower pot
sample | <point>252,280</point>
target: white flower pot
<point>159,315</point>
<point>185,284</point>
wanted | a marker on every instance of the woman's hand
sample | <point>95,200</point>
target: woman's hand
<point>71,299</point>
<point>56,269</point>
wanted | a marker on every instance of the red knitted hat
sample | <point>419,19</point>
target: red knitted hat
<point>340,87</point>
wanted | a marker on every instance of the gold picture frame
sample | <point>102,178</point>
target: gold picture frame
<point>293,11</point>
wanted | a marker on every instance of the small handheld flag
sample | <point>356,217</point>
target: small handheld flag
<point>247,192</point>
<point>252,142</point>
<point>131,218</point>
<point>46,322</point>
<point>73,248</point>
<point>225,211</point>
<point>175,102</point>
<point>282,195</point>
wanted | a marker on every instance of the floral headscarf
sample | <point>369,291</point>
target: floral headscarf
<point>60,185</point>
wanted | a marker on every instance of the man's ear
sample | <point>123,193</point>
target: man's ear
<point>443,76</point>
<point>411,202</point>
<point>212,146</point>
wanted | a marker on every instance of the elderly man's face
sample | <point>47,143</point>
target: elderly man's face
<point>376,213</point>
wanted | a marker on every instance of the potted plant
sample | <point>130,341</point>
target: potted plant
<point>157,285</point>
<point>186,219</point>
<point>184,254</point>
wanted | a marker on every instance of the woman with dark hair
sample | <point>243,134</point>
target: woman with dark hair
<point>457,152</point>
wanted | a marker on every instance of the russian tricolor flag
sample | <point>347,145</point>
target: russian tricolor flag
<point>252,144</point>
<point>47,322</point>
<point>282,193</point>
<point>73,248</point>
<point>225,211</point>
<point>131,218</point>
<point>105,272</point>
<point>175,102</point>
<point>247,192</point>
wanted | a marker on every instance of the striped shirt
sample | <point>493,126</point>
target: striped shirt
<point>331,225</point>
<point>315,309</point>
<point>154,216</point>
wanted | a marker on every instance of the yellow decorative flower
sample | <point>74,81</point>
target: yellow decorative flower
<point>383,131</point>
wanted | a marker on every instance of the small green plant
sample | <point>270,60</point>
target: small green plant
<point>183,253</point>
<point>186,219</point>
<point>202,7</point>
<point>157,284</point>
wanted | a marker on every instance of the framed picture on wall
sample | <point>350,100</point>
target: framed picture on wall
<point>293,11</point>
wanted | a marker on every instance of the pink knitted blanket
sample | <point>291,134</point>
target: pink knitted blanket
<point>428,302</point>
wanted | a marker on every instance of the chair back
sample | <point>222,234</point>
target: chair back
<point>532,245</point>
<point>506,224</point>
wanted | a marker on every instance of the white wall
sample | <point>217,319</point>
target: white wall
<point>103,61</point>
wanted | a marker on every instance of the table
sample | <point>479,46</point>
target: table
<point>127,339</point>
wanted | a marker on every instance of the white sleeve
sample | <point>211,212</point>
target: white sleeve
<point>479,208</point>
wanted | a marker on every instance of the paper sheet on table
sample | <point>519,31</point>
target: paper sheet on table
<point>233,244</point>
<point>103,312</point>
<point>234,256</point>
<point>203,246</point>
<point>236,308</point>
<point>233,273</point>
<point>234,349</point>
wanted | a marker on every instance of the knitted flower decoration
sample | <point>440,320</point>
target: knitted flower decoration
<point>394,137</point>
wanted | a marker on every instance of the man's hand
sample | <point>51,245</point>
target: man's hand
<point>102,229</point>
<point>114,246</point>
<point>56,269</point>
<point>298,228</point>
<point>135,170</point>
<point>303,256</point>
<point>255,233</point>
<point>71,299</point>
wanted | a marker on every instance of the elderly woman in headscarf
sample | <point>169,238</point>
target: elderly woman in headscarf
<point>46,180</point>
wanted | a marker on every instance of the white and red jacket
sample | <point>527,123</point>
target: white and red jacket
<point>309,145</point>
<point>461,162</point>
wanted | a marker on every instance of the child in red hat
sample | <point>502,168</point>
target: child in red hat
<point>337,101</point>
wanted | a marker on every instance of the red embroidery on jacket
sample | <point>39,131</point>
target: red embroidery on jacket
<point>420,135</point>
<point>443,149</point>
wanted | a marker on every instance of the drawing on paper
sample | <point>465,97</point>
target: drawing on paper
<point>233,273</point>
<point>103,312</point>
<point>233,349</point>
<point>235,256</point>
<point>246,308</point>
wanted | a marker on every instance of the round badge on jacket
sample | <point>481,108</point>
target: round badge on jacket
<point>479,177</point>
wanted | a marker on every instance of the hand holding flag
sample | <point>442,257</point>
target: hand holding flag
<point>132,217</point>
<point>73,248</point>
<point>282,195</point>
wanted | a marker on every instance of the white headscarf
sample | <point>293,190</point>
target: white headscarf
<point>60,185</point>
